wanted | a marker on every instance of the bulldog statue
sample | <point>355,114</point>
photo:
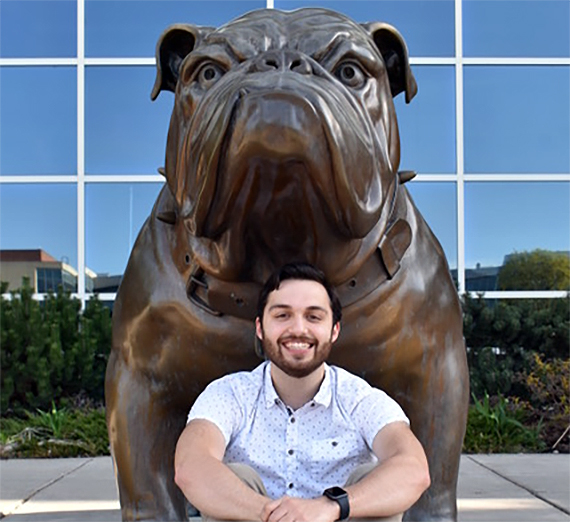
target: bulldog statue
<point>283,145</point>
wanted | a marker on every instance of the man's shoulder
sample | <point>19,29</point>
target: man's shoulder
<point>240,380</point>
<point>351,389</point>
<point>343,379</point>
<point>370,407</point>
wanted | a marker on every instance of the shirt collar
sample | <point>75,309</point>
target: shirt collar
<point>323,396</point>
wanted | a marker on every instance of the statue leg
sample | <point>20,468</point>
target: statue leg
<point>438,420</point>
<point>143,432</point>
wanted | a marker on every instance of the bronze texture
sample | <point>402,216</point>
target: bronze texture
<point>283,145</point>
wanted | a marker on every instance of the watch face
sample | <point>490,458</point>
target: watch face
<point>335,492</point>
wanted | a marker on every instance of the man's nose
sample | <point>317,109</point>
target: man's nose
<point>298,325</point>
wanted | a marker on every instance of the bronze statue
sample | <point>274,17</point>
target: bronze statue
<point>283,145</point>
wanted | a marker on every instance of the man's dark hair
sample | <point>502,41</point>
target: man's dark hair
<point>302,271</point>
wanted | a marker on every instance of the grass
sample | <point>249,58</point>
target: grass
<point>55,433</point>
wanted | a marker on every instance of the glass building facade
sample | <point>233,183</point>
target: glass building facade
<point>488,132</point>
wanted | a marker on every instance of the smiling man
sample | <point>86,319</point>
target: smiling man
<point>297,439</point>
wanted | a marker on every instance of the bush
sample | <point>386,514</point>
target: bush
<point>548,384</point>
<point>51,350</point>
<point>498,426</point>
<point>517,351</point>
<point>502,338</point>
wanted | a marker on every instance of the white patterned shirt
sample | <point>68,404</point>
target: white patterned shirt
<point>297,453</point>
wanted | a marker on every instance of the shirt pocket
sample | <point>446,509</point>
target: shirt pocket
<point>334,456</point>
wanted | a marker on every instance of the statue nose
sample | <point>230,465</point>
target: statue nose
<point>283,61</point>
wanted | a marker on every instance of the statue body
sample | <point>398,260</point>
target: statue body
<point>283,146</point>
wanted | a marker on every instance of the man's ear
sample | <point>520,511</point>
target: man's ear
<point>335,332</point>
<point>393,49</point>
<point>258,329</point>
<point>174,44</point>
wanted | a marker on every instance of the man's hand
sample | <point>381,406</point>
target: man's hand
<point>290,509</point>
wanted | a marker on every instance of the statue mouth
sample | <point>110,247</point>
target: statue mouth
<point>295,153</point>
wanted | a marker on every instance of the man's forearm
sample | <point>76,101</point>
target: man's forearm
<point>389,489</point>
<point>217,491</point>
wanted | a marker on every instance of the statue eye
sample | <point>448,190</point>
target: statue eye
<point>209,73</point>
<point>350,74</point>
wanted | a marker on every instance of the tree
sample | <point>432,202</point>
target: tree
<point>51,350</point>
<point>535,270</point>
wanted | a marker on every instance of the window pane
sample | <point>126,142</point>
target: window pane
<point>115,213</point>
<point>437,203</point>
<point>132,28</point>
<point>38,217</point>
<point>50,29</point>
<point>517,119</point>
<point>125,132</point>
<point>38,134</point>
<point>427,124</point>
<point>427,27</point>
<point>507,28</point>
<point>502,219</point>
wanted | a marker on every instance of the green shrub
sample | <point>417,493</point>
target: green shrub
<point>51,350</point>
<point>548,384</point>
<point>502,338</point>
<point>498,427</point>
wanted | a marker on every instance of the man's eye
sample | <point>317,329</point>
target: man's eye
<point>350,74</point>
<point>209,73</point>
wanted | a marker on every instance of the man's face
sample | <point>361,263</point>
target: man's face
<point>297,331</point>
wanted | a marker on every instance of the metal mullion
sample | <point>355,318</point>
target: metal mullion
<point>120,61</point>
<point>459,137</point>
<point>42,62</point>
<point>123,178</point>
<point>48,178</point>
<point>516,177</point>
<point>520,294</point>
<point>81,151</point>
<point>516,61</point>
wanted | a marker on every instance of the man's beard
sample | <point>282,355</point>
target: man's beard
<point>300,369</point>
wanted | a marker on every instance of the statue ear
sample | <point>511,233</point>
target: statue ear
<point>393,49</point>
<point>173,46</point>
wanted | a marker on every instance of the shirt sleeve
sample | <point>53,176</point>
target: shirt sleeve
<point>219,405</point>
<point>375,410</point>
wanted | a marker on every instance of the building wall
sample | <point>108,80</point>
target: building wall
<point>13,273</point>
<point>487,133</point>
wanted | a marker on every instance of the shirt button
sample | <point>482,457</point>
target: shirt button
<point>292,420</point>
<point>291,452</point>
<point>290,485</point>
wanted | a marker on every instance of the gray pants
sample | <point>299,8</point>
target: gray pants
<point>253,480</point>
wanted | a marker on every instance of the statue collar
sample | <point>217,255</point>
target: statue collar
<point>239,299</point>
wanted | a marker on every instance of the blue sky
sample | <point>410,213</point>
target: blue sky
<point>517,120</point>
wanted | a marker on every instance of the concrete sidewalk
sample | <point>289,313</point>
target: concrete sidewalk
<point>498,488</point>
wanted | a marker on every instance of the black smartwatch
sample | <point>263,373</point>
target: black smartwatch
<point>341,496</point>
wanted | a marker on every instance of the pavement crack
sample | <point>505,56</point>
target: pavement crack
<point>44,486</point>
<point>522,486</point>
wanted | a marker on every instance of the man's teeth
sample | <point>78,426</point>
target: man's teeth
<point>298,346</point>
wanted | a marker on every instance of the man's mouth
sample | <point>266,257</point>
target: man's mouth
<point>298,345</point>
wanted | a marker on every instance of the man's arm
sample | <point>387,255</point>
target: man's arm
<point>206,481</point>
<point>401,476</point>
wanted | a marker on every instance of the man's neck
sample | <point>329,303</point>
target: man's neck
<point>297,391</point>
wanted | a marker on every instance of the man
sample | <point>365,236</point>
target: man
<point>276,444</point>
